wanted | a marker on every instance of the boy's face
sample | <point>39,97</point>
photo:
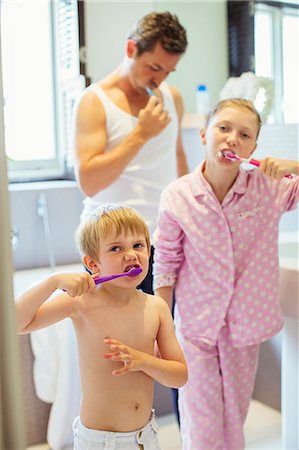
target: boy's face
<point>120,253</point>
<point>233,129</point>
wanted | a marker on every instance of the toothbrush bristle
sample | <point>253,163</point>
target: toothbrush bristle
<point>134,271</point>
<point>231,156</point>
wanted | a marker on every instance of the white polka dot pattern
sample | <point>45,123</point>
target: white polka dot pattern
<point>223,258</point>
<point>214,403</point>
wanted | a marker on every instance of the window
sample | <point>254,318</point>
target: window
<point>276,51</point>
<point>41,80</point>
<point>264,38</point>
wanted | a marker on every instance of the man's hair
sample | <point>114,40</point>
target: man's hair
<point>105,219</point>
<point>159,27</point>
<point>240,103</point>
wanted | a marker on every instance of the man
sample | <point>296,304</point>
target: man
<point>127,130</point>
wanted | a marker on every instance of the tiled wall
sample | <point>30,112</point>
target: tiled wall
<point>40,239</point>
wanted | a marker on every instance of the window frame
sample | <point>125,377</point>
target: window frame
<point>277,11</point>
<point>240,15</point>
<point>65,91</point>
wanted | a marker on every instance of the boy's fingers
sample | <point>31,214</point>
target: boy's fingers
<point>121,357</point>
<point>120,371</point>
<point>112,341</point>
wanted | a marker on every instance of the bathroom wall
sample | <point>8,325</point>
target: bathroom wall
<point>44,217</point>
<point>108,25</point>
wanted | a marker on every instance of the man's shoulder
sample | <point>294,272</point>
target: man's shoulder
<point>89,101</point>
<point>174,90</point>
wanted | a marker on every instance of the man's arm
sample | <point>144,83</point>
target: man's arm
<point>182,165</point>
<point>170,369</point>
<point>96,169</point>
<point>33,311</point>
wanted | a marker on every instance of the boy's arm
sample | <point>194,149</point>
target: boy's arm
<point>169,370</point>
<point>34,312</point>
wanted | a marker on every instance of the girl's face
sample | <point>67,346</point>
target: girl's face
<point>120,253</point>
<point>233,129</point>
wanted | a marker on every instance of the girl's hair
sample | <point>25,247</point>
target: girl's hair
<point>241,103</point>
<point>102,221</point>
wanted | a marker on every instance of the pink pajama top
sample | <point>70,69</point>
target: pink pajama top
<point>223,258</point>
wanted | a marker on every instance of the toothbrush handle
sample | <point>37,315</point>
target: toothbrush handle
<point>257,163</point>
<point>254,162</point>
<point>149,91</point>
<point>100,280</point>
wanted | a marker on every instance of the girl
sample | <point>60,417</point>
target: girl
<point>216,243</point>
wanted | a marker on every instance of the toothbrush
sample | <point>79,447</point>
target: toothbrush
<point>131,273</point>
<point>233,157</point>
<point>254,162</point>
<point>149,91</point>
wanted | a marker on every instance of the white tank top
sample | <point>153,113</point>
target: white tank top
<point>140,184</point>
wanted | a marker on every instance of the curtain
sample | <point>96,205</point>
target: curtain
<point>12,430</point>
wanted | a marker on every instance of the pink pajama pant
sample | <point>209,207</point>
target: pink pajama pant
<point>214,403</point>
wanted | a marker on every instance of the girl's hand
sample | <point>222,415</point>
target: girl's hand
<point>277,168</point>
<point>74,284</point>
<point>131,358</point>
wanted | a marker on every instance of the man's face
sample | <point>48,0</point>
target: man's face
<point>151,68</point>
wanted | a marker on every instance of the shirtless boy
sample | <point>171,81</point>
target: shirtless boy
<point>116,327</point>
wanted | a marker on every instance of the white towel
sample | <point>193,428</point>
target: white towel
<point>56,379</point>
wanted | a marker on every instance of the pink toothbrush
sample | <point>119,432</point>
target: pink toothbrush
<point>131,273</point>
<point>254,162</point>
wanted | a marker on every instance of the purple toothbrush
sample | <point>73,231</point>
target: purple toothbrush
<point>131,273</point>
<point>254,162</point>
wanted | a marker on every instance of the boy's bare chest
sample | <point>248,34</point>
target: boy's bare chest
<point>137,327</point>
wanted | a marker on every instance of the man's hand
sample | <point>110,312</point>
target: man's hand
<point>153,118</point>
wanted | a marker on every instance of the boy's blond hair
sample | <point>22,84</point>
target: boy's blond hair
<point>102,221</point>
<point>235,103</point>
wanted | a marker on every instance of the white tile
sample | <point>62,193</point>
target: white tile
<point>263,427</point>
<point>262,430</point>
<point>169,435</point>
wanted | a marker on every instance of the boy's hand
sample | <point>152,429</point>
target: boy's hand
<point>131,358</point>
<point>74,284</point>
<point>277,168</point>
